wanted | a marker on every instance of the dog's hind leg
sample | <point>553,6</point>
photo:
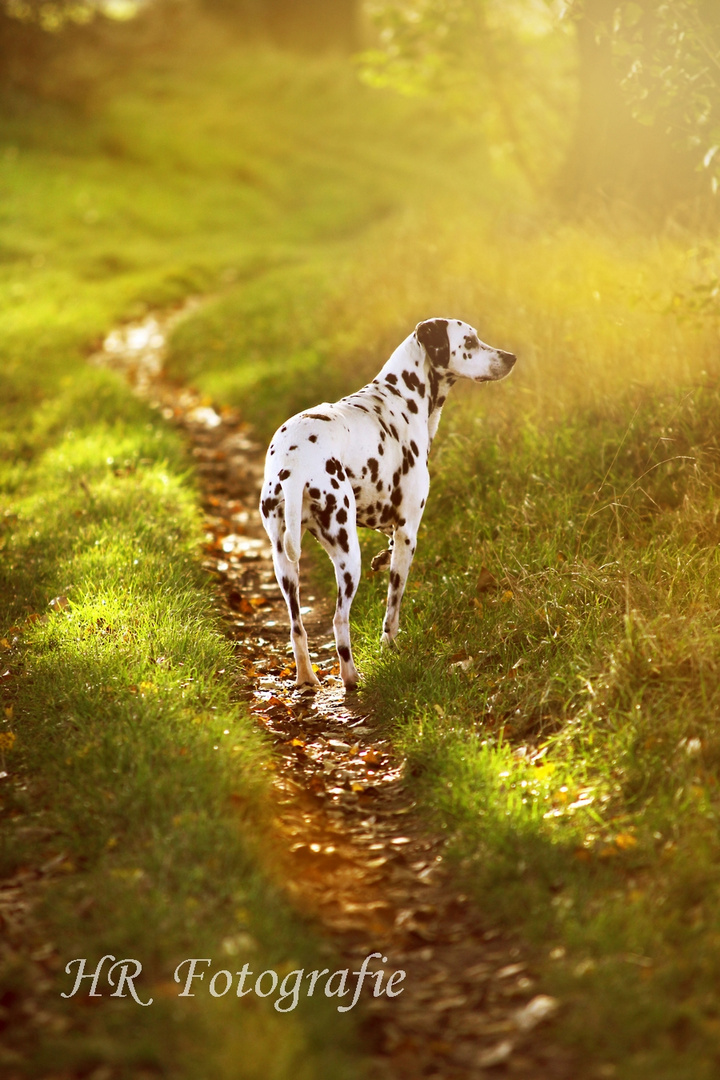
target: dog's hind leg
<point>381,561</point>
<point>344,550</point>
<point>402,556</point>
<point>287,575</point>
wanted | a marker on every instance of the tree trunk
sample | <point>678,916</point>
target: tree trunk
<point>314,25</point>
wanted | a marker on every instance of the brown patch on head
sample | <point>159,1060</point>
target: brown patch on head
<point>433,336</point>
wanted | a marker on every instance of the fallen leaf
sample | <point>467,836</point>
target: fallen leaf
<point>509,970</point>
<point>496,1055</point>
<point>486,581</point>
<point>542,1007</point>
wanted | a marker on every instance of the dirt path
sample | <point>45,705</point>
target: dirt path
<point>352,849</point>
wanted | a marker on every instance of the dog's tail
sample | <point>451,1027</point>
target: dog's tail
<point>293,521</point>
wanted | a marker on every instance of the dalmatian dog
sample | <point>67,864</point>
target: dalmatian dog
<point>362,461</point>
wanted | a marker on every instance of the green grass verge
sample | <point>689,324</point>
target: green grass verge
<point>134,768</point>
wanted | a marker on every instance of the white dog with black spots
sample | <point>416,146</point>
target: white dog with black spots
<point>362,461</point>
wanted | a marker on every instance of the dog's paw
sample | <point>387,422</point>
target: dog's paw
<point>307,685</point>
<point>382,560</point>
<point>388,642</point>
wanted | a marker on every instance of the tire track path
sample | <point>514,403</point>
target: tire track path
<point>353,851</point>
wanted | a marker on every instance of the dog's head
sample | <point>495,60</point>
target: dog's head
<point>455,348</point>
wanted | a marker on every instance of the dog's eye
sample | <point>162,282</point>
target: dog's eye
<point>471,342</point>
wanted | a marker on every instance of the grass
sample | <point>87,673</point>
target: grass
<point>132,770</point>
<point>558,717</point>
<point>132,767</point>
<point>564,723</point>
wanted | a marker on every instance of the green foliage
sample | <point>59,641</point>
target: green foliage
<point>50,16</point>
<point>505,67</point>
<point>669,58</point>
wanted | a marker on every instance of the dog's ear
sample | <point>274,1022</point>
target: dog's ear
<point>433,336</point>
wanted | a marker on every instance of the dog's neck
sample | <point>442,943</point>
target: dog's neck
<point>411,374</point>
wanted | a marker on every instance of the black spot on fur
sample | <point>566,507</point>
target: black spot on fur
<point>391,378</point>
<point>324,516</point>
<point>316,416</point>
<point>412,382</point>
<point>283,474</point>
<point>412,405</point>
<point>312,438</point>
<point>344,653</point>
<point>290,590</point>
<point>341,516</point>
<point>349,584</point>
<point>314,493</point>
<point>267,506</point>
<point>342,540</point>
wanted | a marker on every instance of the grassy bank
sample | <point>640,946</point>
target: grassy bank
<point>136,800</point>
<point>556,685</point>
<point>134,776</point>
